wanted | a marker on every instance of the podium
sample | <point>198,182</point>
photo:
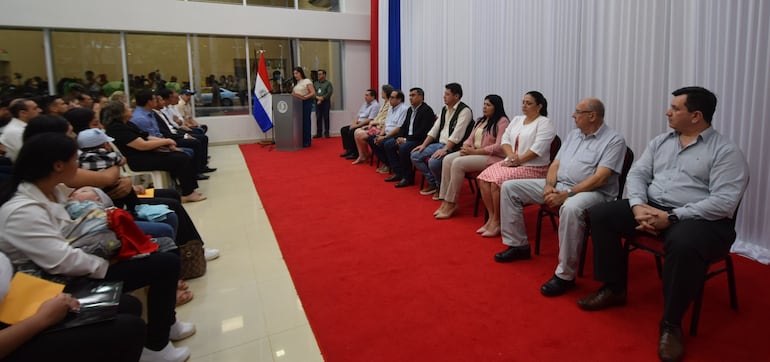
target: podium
<point>287,122</point>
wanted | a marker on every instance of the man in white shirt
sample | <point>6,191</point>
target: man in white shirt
<point>185,109</point>
<point>22,110</point>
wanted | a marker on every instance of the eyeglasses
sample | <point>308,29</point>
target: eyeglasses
<point>577,111</point>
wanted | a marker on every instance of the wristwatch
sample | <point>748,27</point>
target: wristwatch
<point>672,218</point>
<point>570,193</point>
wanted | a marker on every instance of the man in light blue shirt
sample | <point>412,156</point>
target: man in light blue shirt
<point>396,117</point>
<point>584,173</point>
<point>685,188</point>
<point>366,114</point>
<point>143,116</point>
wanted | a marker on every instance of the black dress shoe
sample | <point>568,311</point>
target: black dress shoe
<point>556,286</point>
<point>602,299</point>
<point>208,169</point>
<point>513,253</point>
<point>404,183</point>
<point>345,154</point>
<point>670,346</point>
<point>201,176</point>
<point>317,136</point>
<point>326,135</point>
<point>351,156</point>
<point>393,178</point>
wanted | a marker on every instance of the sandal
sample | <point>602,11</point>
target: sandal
<point>182,285</point>
<point>183,297</point>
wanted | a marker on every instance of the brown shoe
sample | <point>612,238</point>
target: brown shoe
<point>602,299</point>
<point>670,346</point>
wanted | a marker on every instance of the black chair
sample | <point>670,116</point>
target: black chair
<point>554,213</point>
<point>654,244</point>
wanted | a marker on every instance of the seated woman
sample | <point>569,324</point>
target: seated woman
<point>32,217</point>
<point>120,339</point>
<point>148,153</point>
<point>362,134</point>
<point>481,149</point>
<point>527,144</point>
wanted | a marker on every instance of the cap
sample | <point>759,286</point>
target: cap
<point>187,91</point>
<point>92,137</point>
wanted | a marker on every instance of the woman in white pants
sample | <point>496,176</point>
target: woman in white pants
<point>481,149</point>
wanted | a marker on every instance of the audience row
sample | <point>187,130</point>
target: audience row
<point>684,188</point>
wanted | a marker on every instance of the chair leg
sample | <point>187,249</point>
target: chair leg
<point>696,311</point>
<point>476,206</point>
<point>553,223</point>
<point>540,215</point>
<point>731,282</point>
<point>470,184</point>
<point>583,248</point>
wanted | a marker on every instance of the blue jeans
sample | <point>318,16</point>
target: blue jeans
<point>158,229</point>
<point>432,168</point>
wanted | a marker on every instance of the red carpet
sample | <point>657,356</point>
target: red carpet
<point>382,280</point>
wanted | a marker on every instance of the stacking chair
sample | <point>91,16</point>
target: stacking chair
<point>654,244</point>
<point>554,213</point>
<point>160,179</point>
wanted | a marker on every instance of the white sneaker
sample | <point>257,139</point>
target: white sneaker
<point>210,254</point>
<point>169,353</point>
<point>181,330</point>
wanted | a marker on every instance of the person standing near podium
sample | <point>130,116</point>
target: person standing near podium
<point>304,90</point>
<point>323,95</point>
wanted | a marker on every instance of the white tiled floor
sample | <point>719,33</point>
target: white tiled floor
<point>245,307</point>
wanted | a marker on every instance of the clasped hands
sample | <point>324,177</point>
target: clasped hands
<point>650,219</point>
<point>512,161</point>
<point>554,198</point>
<point>467,150</point>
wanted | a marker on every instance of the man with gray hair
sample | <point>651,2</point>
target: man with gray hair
<point>584,173</point>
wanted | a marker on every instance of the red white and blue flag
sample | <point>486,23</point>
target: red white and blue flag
<point>262,99</point>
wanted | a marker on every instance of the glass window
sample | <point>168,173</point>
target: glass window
<point>218,75</point>
<point>320,5</point>
<point>240,2</point>
<point>277,60</point>
<point>156,61</point>
<point>326,55</point>
<point>86,61</point>
<point>274,3</point>
<point>22,63</point>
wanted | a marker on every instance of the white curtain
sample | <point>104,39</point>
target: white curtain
<point>631,54</point>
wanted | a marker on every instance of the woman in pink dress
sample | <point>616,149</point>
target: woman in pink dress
<point>527,144</point>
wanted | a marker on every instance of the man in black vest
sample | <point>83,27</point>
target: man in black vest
<point>446,136</point>
<point>419,119</point>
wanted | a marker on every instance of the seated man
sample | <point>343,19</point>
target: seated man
<point>200,146</point>
<point>22,110</point>
<point>393,122</point>
<point>184,106</point>
<point>584,173</point>
<point>53,105</point>
<point>419,120</point>
<point>366,114</point>
<point>448,133</point>
<point>685,188</point>
<point>361,135</point>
